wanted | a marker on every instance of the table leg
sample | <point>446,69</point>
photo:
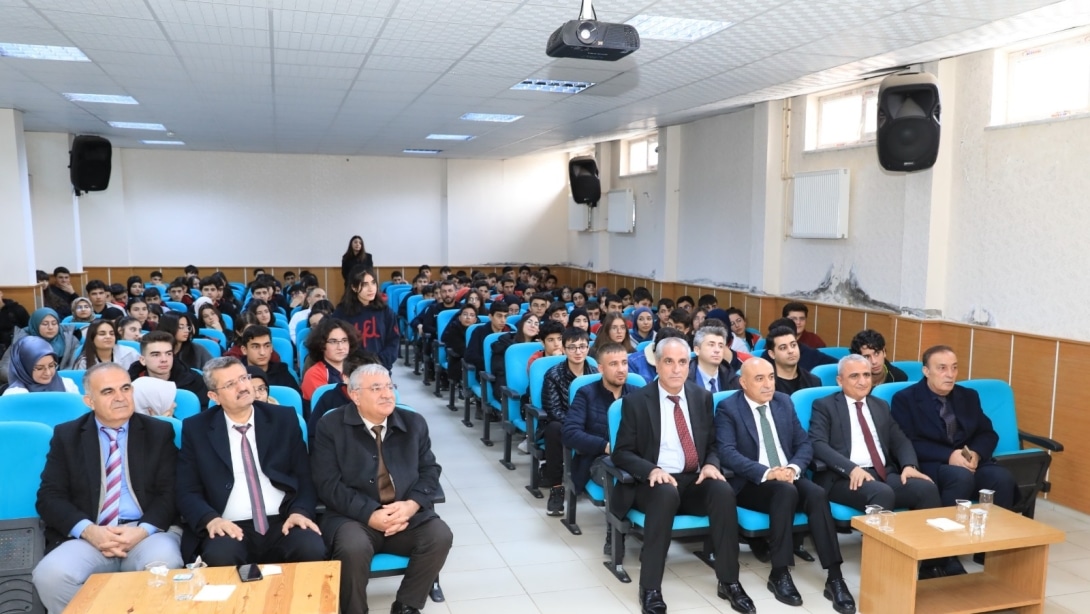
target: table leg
<point>888,580</point>
<point>1024,569</point>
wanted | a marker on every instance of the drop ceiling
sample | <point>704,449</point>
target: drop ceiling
<point>374,77</point>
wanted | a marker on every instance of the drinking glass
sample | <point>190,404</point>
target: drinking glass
<point>978,519</point>
<point>158,571</point>
<point>886,521</point>
<point>872,514</point>
<point>986,497</point>
<point>964,505</point>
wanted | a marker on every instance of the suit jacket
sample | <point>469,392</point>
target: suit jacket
<point>726,379</point>
<point>639,436</point>
<point>831,434</point>
<point>916,412</point>
<point>346,466</point>
<point>206,476</point>
<point>71,488</point>
<point>739,445</point>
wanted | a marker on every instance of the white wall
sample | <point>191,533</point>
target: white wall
<point>55,211</point>
<point>242,209</point>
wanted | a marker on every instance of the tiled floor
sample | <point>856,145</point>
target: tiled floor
<point>510,558</point>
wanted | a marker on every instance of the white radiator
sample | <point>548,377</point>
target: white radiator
<point>820,209</point>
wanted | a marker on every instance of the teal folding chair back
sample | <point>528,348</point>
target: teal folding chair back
<point>579,382</point>
<point>76,375</point>
<point>886,391</point>
<point>130,344</point>
<point>301,347</point>
<point>997,401</point>
<point>537,376</point>
<point>287,354</point>
<point>489,390</point>
<point>759,346</point>
<point>280,320</point>
<point>441,323</point>
<point>287,397</point>
<point>212,333</point>
<point>518,382</point>
<point>49,408</point>
<point>473,383</point>
<point>836,352</point>
<point>804,401</point>
<point>641,345</point>
<point>212,347</point>
<point>718,398</point>
<point>228,320</point>
<point>513,321</point>
<point>176,306</point>
<point>23,453</point>
<point>186,404</point>
<point>177,424</point>
<point>280,333</point>
<point>386,284</point>
<point>912,368</point>
<point>319,391</point>
<point>825,373</point>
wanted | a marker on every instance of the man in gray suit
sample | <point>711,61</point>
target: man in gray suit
<point>868,459</point>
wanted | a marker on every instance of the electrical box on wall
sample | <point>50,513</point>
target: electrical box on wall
<point>578,216</point>
<point>621,206</point>
<point>820,207</point>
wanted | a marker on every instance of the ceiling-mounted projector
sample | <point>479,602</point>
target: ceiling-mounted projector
<point>589,39</point>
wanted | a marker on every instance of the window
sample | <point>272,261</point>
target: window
<point>640,155</point>
<point>846,117</point>
<point>1045,81</point>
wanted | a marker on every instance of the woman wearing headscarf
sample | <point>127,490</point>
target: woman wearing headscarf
<point>46,324</point>
<point>643,325</point>
<point>153,396</point>
<point>33,368</point>
<point>82,311</point>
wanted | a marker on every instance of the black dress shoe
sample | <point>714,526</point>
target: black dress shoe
<point>760,549</point>
<point>837,592</point>
<point>784,589</point>
<point>651,601</point>
<point>736,595</point>
<point>978,558</point>
<point>953,567</point>
<point>401,608</point>
<point>931,571</point>
<point>800,551</point>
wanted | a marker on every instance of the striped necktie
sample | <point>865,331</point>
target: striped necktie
<point>111,505</point>
<point>253,484</point>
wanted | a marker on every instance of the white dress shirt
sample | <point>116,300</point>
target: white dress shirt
<point>761,450</point>
<point>860,455</point>
<point>238,503</point>
<point>671,454</point>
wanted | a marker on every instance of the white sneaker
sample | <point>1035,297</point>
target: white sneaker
<point>524,447</point>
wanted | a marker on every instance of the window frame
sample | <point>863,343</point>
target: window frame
<point>650,143</point>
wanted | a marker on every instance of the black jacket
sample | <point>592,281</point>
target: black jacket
<point>12,316</point>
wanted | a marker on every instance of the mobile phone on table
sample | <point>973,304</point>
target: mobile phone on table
<point>249,573</point>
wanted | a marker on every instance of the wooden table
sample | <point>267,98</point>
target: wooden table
<point>303,588</point>
<point>1014,570</point>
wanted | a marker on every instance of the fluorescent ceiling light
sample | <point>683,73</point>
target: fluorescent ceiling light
<point>103,98</point>
<point>552,85</point>
<point>451,137</point>
<point>431,152</point>
<point>139,126</point>
<point>655,27</point>
<point>42,52</point>
<point>163,142</point>
<point>491,117</point>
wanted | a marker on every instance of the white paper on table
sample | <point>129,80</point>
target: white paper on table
<point>215,592</point>
<point>271,570</point>
<point>945,524</point>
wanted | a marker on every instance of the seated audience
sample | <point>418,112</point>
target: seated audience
<point>808,356</point>
<point>45,324</point>
<point>554,401</point>
<point>338,396</point>
<point>686,302</point>
<point>675,464</point>
<point>262,312</point>
<point>252,500</point>
<point>157,360</point>
<point>663,310</point>
<point>578,318</point>
<point>712,370</point>
<point>210,317</point>
<point>454,338</point>
<point>527,329</point>
<point>100,297</point>
<point>551,335</point>
<point>260,381</point>
<point>119,296</point>
<point>707,302</point>
<point>614,329</point>
<point>81,311</point>
<point>737,321</point>
<point>578,298</point>
<point>953,437</point>
<point>183,327</point>
<point>139,310</point>
<point>59,294</point>
<point>328,345</point>
<point>797,313</point>
<point>763,443</point>
<point>115,516</point>
<point>375,472</point>
<point>557,312</point>
<point>497,323</point>
<point>12,316</point>
<point>178,292</point>
<point>365,309</point>
<point>783,350</point>
<point>257,351</point>
<point>643,325</point>
<point>870,344</point>
<point>699,317</point>
<point>33,368</point>
<point>134,287</point>
<point>100,345</point>
<point>154,397</point>
<point>128,329</point>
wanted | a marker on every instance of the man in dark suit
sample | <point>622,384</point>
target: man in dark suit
<point>762,442</point>
<point>375,471</point>
<point>244,485</point>
<point>869,460</point>
<point>712,369</point>
<point>953,438</point>
<point>665,440</point>
<point>122,526</point>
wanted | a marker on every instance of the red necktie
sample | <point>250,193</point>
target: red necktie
<point>687,444</point>
<point>253,483</point>
<point>875,459</point>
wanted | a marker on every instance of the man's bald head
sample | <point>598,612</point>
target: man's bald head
<point>758,380</point>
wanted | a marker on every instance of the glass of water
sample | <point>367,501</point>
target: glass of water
<point>184,588</point>
<point>978,519</point>
<point>886,521</point>
<point>986,498</point>
<point>872,514</point>
<point>157,573</point>
<point>963,507</point>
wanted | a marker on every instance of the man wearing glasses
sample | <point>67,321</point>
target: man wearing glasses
<point>375,472</point>
<point>244,484</point>
<point>554,400</point>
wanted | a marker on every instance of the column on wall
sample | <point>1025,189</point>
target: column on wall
<point>17,231</point>
<point>54,204</point>
<point>766,254</point>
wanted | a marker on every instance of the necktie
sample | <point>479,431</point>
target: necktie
<point>253,485</point>
<point>111,505</point>
<point>386,492</point>
<point>947,416</point>
<point>683,434</point>
<point>714,384</point>
<point>869,439</point>
<point>768,437</point>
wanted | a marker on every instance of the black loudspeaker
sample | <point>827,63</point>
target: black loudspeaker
<point>908,122</point>
<point>89,163</point>
<point>583,177</point>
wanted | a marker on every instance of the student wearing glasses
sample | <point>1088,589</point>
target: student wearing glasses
<point>33,368</point>
<point>554,400</point>
<point>243,483</point>
<point>328,345</point>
